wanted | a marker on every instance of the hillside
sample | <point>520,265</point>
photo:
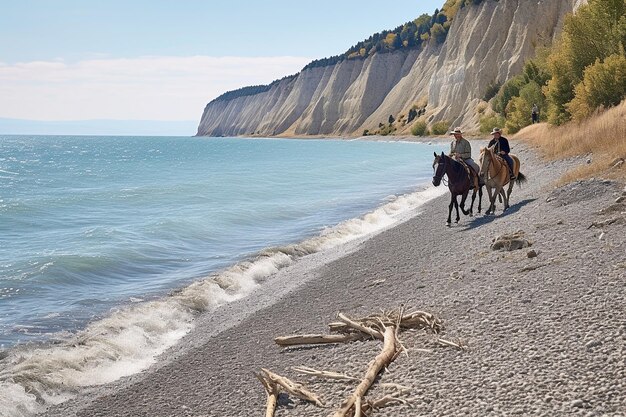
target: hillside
<point>485,44</point>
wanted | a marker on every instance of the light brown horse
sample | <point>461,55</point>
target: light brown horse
<point>495,172</point>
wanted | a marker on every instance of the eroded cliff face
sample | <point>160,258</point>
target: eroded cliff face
<point>486,43</point>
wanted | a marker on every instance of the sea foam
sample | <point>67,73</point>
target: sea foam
<point>131,337</point>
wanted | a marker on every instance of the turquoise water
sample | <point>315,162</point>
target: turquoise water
<point>91,223</point>
<point>110,247</point>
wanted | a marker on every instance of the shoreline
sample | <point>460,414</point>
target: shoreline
<point>539,343</point>
<point>176,313</point>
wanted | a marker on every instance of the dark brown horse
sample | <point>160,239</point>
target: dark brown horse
<point>459,183</point>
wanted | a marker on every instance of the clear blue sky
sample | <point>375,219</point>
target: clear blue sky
<point>164,60</point>
<point>79,29</point>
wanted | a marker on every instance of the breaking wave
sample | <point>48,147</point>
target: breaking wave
<point>129,339</point>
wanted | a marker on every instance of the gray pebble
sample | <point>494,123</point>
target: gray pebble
<point>592,343</point>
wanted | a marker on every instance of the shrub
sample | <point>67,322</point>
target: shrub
<point>603,85</point>
<point>489,122</point>
<point>439,128</point>
<point>519,108</point>
<point>509,90</point>
<point>492,90</point>
<point>419,128</point>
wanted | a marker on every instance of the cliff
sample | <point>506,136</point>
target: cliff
<point>486,43</point>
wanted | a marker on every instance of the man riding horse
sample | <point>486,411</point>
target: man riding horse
<point>501,147</point>
<point>461,150</point>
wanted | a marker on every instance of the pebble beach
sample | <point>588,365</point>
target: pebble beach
<point>542,327</point>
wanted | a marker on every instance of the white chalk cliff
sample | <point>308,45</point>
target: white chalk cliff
<point>486,43</point>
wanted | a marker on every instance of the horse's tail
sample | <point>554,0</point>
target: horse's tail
<point>521,178</point>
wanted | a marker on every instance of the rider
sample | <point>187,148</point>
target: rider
<point>501,147</point>
<point>460,148</point>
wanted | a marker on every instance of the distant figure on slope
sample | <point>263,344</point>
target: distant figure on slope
<point>501,147</point>
<point>534,114</point>
<point>461,150</point>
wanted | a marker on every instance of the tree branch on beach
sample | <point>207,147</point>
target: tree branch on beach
<point>271,388</point>
<point>323,374</point>
<point>315,339</point>
<point>381,361</point>
<point>371,326</point>
<point>273,382</point>
<point>384,326</point>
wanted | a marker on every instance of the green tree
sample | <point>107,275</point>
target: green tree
<point>509,90</point>
<point>596,31</point>
<point>437,34</point>
<point>603,85</point>
<point>519,108</point>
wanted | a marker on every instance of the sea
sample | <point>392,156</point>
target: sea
<point>110,247</point>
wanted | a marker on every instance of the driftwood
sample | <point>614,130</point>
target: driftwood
<point>323,374</point>
<point>272,394</point>
<point>458,344</point>
<point>293,388</point>
<point>358,407</point>
<point>360,327</point>
<point>314,339</point>
<point>381,361</point>
<point>414,320</point>
<point>384,326</point>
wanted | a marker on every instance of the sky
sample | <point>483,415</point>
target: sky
<point>165,60</point>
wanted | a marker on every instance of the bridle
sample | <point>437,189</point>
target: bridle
<point>440,178</point>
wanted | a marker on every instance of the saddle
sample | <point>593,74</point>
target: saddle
<point>473,176</point>
<point>510,168</point>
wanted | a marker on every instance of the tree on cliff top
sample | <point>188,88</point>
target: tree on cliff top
<point>595,32</point>
<point>410,35</point>
<point>584,70</point>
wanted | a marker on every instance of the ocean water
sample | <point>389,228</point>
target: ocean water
<point>110,246</point>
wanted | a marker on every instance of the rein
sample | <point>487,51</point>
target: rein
<point>440,177</point>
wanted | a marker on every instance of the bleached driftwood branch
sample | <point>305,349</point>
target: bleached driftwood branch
<point>382,360</point>
<point>323,374</point>
<point>293,388</point>
<point>272,394</point>
<point>315,339</point>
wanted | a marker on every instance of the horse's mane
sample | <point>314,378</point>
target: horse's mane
<point>456,165</point>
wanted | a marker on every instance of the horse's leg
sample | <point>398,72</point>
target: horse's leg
<point>492,197</point>
<point>496,194</point>
<point>471,210</point>
<point>480,198</point>
<point>452,200</point>
<point>463,199</point>
<point>508,193</point>
<point>502,195</point>
<point>456,206</point>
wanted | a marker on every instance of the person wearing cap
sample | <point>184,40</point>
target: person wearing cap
<point>460,148</point>
<point>501,147</point>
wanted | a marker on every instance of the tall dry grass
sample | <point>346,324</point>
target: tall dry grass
<point>602,138</point>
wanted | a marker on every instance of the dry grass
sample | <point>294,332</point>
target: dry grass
<point>601,137</point>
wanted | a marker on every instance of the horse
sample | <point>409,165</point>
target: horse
<point>495,173</point>
<point>459,183</point>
